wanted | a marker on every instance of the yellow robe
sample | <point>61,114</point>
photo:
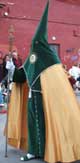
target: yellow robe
<point>17,119</point>
<point>62,117</point>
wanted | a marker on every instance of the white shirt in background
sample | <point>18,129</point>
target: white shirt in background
<point>10,67</point>
<point>74,72</point>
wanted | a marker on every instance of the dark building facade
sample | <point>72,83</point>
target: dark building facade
<point>23,17</point>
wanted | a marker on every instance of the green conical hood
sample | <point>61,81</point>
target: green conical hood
<point>42,27</point>
<point>41,56</point>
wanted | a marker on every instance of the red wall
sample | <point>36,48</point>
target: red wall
<point>24,15</point>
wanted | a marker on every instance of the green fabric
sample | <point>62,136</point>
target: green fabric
<point>36,124</point>
<point>45,57</point>
<point>42,27</point>
<point>19,75</point>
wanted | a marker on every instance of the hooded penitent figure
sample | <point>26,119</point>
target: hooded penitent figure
<point>46,114</point>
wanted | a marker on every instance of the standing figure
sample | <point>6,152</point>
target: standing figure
<point>1,96</point>
<point>5,71</point>
<point>16,59</point>
<point>74,71</point>
<point>1,69</point>
<point>47,112</point>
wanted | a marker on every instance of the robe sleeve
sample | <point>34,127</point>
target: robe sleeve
<point>19,75</point>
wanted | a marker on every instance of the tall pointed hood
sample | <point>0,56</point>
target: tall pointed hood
<point>41,56</point>
<point>41,31</point>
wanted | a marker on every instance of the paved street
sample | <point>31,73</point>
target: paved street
<point>13,154</point>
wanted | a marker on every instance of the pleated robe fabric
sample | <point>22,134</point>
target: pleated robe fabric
<point>62,117</point>
<point>17,116</point>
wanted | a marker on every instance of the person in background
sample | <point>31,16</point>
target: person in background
<point>16,59</point>
<point>74,71</point>
<point>70,78</point>
<point>1,96</point>
<point>78,83</point>
<point>5,71</point>
<point>10,68</point>
<point>1,69</point>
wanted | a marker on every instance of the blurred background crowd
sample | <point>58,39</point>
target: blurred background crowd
<point>7,66</point>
